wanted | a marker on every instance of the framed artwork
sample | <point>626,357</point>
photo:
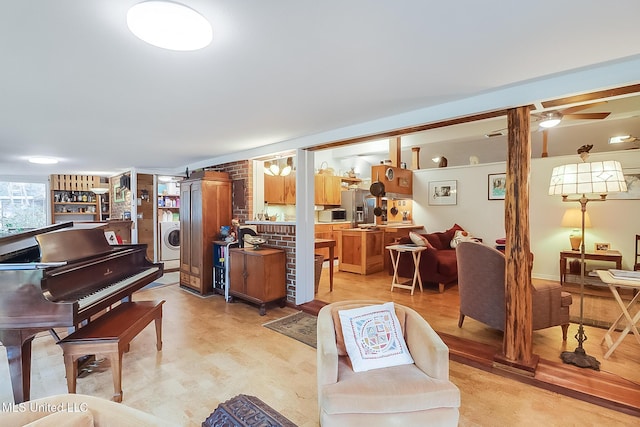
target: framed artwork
<point>443,192</point>
<point>497,186</point>
<point>601,247</point>
<point>118,193</point>
<point>632,178</point>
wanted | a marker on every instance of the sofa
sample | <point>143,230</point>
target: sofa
<point>438,265</point>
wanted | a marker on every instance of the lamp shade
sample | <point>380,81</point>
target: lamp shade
<point>572,218</point>
<point>589,177</point>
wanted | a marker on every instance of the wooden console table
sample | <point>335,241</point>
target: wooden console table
<point>331,244</point>
<point>609,256</point>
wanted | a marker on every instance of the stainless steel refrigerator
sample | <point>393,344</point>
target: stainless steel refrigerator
<point>355,201</point>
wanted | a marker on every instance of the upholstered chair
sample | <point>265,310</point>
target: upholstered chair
<point>78,410</point>
<point>418,394</point>
<point>481,284</point>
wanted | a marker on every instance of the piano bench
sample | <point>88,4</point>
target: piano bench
<point>110,335</point>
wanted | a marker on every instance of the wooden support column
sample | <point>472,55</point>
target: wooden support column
<point>415,158</point>
<point>395,149</point>
<point>518,335</point>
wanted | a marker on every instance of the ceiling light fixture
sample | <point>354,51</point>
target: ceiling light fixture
<point>550,120</point>
<point>169,25</point>
<point>272,168</point>
<point>621,139</point>
<point>43,160</point>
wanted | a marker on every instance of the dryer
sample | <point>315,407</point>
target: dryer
<point>169,240</point>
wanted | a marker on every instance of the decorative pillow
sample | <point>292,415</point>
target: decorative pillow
<point>462,236</point>
<point>419,239</point>
<point>373,337</point>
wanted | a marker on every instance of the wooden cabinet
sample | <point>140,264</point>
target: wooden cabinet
<point>361,251</point>
<point>205,205</point>
<point>280,190</point>
<point>332,232</point>
<point>258,276</point>
<point>327,190</point>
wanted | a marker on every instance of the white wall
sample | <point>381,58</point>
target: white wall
<point>613,221</point>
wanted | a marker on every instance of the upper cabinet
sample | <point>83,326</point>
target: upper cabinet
<point>327,189</point>
<point>280,190</point>
<point>395,180</point>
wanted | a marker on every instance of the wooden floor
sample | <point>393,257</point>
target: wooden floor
<point>213,351</point>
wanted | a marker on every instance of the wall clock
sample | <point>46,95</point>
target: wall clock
<point>389,174</point>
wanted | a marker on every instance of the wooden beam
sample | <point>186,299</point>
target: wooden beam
<point>395,147</point>
<point>518,334</point>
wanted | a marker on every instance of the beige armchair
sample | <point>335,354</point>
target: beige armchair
<point>481,284</point>
<point>419,394</point>
<point>78,410</point>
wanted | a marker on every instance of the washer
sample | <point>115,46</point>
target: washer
<point>169,240</point>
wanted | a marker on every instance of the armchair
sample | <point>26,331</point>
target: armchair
<point>407,395</point>
<point>481,284</point>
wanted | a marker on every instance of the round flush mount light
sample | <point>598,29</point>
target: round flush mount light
<point>169,25</point>
<point>43,160</point>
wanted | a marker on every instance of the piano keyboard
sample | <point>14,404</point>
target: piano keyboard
<point>100,294</point>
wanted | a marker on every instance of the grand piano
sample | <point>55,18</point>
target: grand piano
<point>60,276</point>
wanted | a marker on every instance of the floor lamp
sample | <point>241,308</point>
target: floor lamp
<point>578,180</point>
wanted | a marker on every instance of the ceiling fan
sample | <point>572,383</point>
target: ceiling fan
<point>549,119</point>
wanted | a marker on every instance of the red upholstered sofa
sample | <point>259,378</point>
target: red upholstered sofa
<point>438,264</point>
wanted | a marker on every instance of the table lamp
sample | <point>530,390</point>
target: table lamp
<point>572,218</point>
<point>580,180</point>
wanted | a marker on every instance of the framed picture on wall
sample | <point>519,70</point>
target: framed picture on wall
<point>632,178</point>
<point>497,186</point>
<point>601,247</point>
<point>118,193</point>
<point>443,192</point>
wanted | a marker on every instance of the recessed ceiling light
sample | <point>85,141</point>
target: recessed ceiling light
<point>43,160</point>
<point>622,138</point>
<point>169,25</point>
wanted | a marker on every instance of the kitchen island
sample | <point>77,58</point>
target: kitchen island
<point>361,250</point>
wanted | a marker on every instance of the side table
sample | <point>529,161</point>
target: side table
<point>416,253</point>
<point>624,317</point>
<point>609,256</point>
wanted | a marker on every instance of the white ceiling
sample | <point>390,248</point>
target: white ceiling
<point>75,84</point>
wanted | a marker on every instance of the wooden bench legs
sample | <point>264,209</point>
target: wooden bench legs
<point>110,335</point>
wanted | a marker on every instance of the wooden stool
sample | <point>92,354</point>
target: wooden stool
<point>110,335</point>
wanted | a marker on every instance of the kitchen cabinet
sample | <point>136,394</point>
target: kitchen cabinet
<point>329,231</point>
<point>258,276</point>
<point>205,206</point>
<point>327,189</point>
<point>280,190</point>
<point>361,250</point>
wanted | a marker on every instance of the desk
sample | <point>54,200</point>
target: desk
<point>331,244</point>
<point>416,252</point>
<point>614,284</point>
<point>609,256</point>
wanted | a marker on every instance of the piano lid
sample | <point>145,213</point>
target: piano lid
<point>72,244</point>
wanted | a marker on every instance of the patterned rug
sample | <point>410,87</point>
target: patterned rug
<point>299,326</point>
<point>246,411</point>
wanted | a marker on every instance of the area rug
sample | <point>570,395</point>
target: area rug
<point>246,411</point>
<point>299,326</point>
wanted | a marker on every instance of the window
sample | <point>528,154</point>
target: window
<point>23,206</point>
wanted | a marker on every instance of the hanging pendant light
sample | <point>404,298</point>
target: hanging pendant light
<point>267,169</point>
<point>287,169</point>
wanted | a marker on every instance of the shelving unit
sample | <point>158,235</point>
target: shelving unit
<point>220,264</point>
<point>73,200</point>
